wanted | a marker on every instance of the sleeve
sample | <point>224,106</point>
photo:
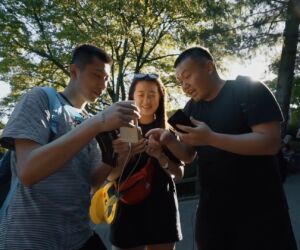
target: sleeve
<point>29,120</point>
<point>262,105</point>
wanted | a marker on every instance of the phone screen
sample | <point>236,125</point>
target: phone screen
<point>179,117</point>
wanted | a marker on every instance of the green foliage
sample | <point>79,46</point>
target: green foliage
<point>37,37</point>
<point>294,116</point>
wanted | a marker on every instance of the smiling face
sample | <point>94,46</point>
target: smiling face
<point>146,96</point>
<point>195,78</point>
<point>91,80</point>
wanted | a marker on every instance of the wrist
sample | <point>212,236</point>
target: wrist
<point>101,122</point>
<point>163,161</point>
<point>169,139</point>
<point>212,139</point>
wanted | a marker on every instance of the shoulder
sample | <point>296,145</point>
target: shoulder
<point>248,83</point>
<point>250,88</point>
<point>36,96</point>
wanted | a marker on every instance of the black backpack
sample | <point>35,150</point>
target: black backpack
<point>5,176</point>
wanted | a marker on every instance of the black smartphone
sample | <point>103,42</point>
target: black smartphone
<point>179,117</point>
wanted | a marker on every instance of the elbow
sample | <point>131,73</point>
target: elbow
<point>179,175</point>
<point>26,180</point>
<point>190,158</point>
<point>273,150</point>
<point>25,177</point>
<point>273,147</point>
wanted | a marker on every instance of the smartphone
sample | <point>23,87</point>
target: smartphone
<point>179,117</point>
<point>128,134</point>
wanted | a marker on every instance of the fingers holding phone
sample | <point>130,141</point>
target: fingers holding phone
<point>199,135</point>
<point>180,118</point>
<point>119,114</point>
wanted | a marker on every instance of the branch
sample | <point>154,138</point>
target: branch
<point>160,57</point>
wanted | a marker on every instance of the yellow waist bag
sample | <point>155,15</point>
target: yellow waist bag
<point>104,204</point>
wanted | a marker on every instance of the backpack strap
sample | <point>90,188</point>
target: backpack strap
<point>242,84</point>
<point>13,187</point>
<point>55,107</point>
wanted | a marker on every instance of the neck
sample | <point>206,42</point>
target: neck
<point>146,119</point>
<point>216,85</point>
<point>74,96</point>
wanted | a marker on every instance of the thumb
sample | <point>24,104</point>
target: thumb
<point>194,121</point>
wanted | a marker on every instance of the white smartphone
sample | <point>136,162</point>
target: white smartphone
<point>129,134</point>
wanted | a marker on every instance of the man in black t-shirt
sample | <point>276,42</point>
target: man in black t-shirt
<point>236,135</point>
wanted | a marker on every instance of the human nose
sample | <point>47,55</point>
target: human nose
<point>185,86</point>
<point>104,82</point>
<point>146,100</point>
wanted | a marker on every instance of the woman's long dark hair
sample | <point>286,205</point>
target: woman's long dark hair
<point>160,113</point>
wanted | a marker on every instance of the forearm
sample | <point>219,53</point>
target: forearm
<point>100,174</point>
<point>247,144</point>
<point>174,169</point>
<point>36,162</point>
<point>115,173</point>
<point>183,152</point>
<point>121,164</point>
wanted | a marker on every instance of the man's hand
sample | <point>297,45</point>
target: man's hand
<point>118,114</point>
<point>200,135</point>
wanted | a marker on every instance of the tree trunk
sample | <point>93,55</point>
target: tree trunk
<point>287,63</point>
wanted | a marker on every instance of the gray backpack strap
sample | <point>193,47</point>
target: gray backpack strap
<point>55,107</point>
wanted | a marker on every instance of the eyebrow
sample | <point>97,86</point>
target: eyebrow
<point>102,71</point>
<point>152,91</point>
<point>181,74</point>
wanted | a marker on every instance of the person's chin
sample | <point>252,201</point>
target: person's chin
<point>147,113</point>
<point>93,99</point>
<point>196,98</point>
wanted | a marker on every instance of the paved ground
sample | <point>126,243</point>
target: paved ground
<point>187,211</point>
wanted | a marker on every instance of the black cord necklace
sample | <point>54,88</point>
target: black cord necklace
<point>66,99</point>
<point>83,113</point>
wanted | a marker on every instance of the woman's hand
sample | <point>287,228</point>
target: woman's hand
<point>161,135</point>
<point>123,148</point>
<point>154,147</point>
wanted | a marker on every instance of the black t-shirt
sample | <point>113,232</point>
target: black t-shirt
<point>228,179</point>
<point>155,220</point>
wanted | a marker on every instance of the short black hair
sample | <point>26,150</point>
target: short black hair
<point>84,54</point>
<point>196,53</point>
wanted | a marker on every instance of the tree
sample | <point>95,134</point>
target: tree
<point>263,22</point>
<point>141,35</point>
<point>287,62</point>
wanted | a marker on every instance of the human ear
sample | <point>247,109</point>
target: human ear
<point>210,66</point>
<point>73,71</point>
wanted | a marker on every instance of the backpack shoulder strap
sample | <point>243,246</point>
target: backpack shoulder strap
<point>55,107</point>
<point>241,89</point>
<point>6,173</point>
<point>242,84</point>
